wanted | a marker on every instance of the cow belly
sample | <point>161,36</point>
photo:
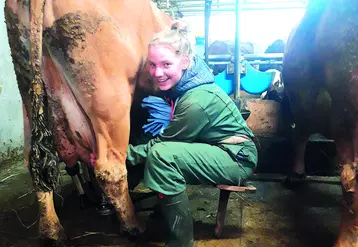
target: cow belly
<point>73,134</point>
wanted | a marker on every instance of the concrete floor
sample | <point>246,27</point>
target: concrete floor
<point>274,216</point>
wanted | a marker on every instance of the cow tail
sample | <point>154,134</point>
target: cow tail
<point>43,162</point>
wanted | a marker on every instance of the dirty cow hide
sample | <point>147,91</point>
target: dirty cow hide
<point>78,64</point>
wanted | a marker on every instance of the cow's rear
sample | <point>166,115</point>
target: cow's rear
<point>82,85</point>
<point>320,77</point>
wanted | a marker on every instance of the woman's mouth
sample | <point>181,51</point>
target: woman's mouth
<point>162,80</point>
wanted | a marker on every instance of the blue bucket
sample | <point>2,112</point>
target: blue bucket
<point>225,81</point>
<point>254,81</point>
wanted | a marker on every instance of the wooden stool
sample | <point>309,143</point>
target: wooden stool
<point>225,191</point>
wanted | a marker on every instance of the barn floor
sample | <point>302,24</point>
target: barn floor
<point>274,216</point>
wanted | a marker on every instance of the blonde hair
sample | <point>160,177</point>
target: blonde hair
<point>178,37</point>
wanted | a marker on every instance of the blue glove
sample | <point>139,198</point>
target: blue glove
<point>159,114</point>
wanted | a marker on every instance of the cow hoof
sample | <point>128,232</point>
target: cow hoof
<point>134,234</point>
<point>60,242</point>
<point>294,180</point>
<point>51,243</point>
<point>137,236</point>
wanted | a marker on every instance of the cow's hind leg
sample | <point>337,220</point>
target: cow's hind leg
<point>297,171</point>
<point>299,145</point>
<point>43,162</point>
<point>111,126</point>
<point>40,156</point>
<point>111,172</point>
<point>51,231</point>
<point>348,235</point>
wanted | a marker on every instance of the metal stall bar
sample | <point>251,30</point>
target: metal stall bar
<point>230,1</point>
<point>193,7</point>
<point>231,7</point>
<point>226,59</point>
<point>249,57</point>
<point>237,50</point>
<point>207,22</point>
<point>263,56</point>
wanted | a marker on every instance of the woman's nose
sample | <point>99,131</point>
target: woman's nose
<point>158,72</point>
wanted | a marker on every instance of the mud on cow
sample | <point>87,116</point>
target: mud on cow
<point>77,63</point>
<point>320,73</point>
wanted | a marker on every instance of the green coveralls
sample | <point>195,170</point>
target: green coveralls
<point>188,151</point>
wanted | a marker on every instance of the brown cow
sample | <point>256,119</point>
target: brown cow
<point>80,61</point>
<point>320,74</point>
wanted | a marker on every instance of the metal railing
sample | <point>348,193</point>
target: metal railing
<point>259,58</point>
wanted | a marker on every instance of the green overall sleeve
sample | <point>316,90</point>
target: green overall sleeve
<point>188,120</point>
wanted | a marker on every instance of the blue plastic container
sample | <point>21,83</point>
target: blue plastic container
<point>255,81</point>
<point>225,81</point>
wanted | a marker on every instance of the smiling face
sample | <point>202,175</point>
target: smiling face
<point>165,67</point>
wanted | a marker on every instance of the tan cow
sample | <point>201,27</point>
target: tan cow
<point>77,63</point>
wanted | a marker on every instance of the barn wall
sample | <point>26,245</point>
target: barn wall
<point>11,123</point>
